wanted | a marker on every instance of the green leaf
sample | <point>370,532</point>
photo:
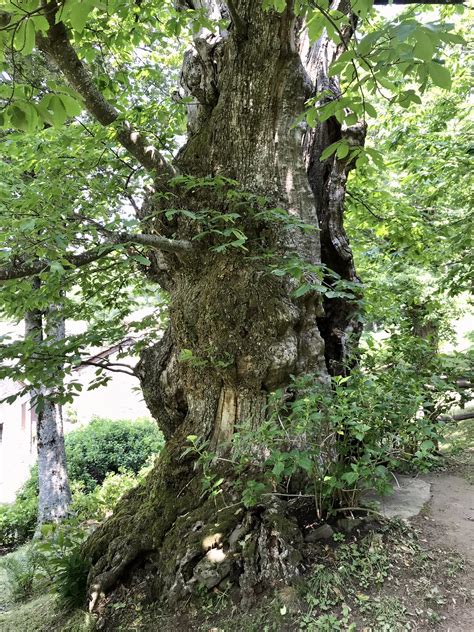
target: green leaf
<point>367,42</point>
<point>58,111</point>
<point>78,13</point>
<point>278,468</point>
<point>312,117</point>
<point>315,26</point>
<point>304,462</point>
<point>302,290</point>
<point>424,47</point>
<point>361,161</point>
<point>375,155</point>
<point>342,150</point>
<point>56,267</point>
<point>278,272</point>
<point>329,150</point>
<point>337,68</point>
<point>23,116</point>
<point>24,39</point>
<point>362,7</point>
<point>141,259</point>
<point>440,75</point>
<point>350,477</point>
<point>427,445</point>
<point>18,118</point>
<point>407,97</point>
<point>40,22</point>
<point>371,111</point>
<point>279,5</point>
<point>29,37</point>
<point>351,119</point>
<point>71,105</point>
<point>452,38</point>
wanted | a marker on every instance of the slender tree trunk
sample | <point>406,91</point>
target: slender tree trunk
<point>54,493</point>
<point>244,331</point>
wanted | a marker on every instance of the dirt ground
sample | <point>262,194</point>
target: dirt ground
<point>448,522</point>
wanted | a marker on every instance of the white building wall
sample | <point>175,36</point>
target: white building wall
<point>18,444</point>
<point>121,398</point>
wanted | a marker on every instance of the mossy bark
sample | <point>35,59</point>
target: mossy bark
<point>244,332</point>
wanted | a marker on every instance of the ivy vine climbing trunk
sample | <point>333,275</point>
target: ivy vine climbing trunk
<point>54,494</point>
<point>236,332</point>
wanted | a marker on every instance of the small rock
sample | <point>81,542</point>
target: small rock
<point>212,569</point>
<point>324,532</point>
<point>406,501</point>
<point>348,524</point>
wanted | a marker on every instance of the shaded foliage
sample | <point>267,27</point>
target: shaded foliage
<point>94,453</point>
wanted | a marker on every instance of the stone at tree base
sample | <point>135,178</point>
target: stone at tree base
<point>348,524</point>
<point>213,568</point>
<point>406,500</point>
<point>324,532</point>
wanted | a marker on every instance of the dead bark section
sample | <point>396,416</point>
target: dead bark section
<point>246,331</point>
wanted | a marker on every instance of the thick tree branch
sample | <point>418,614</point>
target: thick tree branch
<point>21,269</point>
<point>175,246</point>
<point>56,44</point>
<point>113,367</point>
<point>240,26</point>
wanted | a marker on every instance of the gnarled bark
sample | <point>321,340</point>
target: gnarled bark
<point>244,332</point>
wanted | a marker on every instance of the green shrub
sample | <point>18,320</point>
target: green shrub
<point>349,436</point>
<point>61,561</point>
<point>55,561</point>
<point>21,568</point>
<point>99,503</point>
<point>18,520</point>
<point>110,446</point>
<point>107,453</point>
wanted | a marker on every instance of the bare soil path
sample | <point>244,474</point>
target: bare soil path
<point>449,523</point>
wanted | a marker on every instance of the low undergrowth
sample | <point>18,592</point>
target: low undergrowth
<point>457,446</point>
<point>42,614</point>
<point>105,459</point>
<point>332,442</point>
<point>385,580</point>
<point>54,562</point>
<point>26,603</point>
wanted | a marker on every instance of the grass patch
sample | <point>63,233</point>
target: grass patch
<point>41,614</point>
<point>26,606</point>
<point>385,580</point>
<point>458,437</point>
<point>458,446</point>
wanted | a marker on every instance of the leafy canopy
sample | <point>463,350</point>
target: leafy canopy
<point>68,184</point>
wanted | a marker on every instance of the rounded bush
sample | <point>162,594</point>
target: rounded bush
<point>93,453</point>
<point>110,446</point>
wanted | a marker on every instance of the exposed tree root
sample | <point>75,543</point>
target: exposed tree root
<point>184,540</point>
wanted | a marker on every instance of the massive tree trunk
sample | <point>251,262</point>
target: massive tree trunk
<point>242,330</point>
<point>54,494</point>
